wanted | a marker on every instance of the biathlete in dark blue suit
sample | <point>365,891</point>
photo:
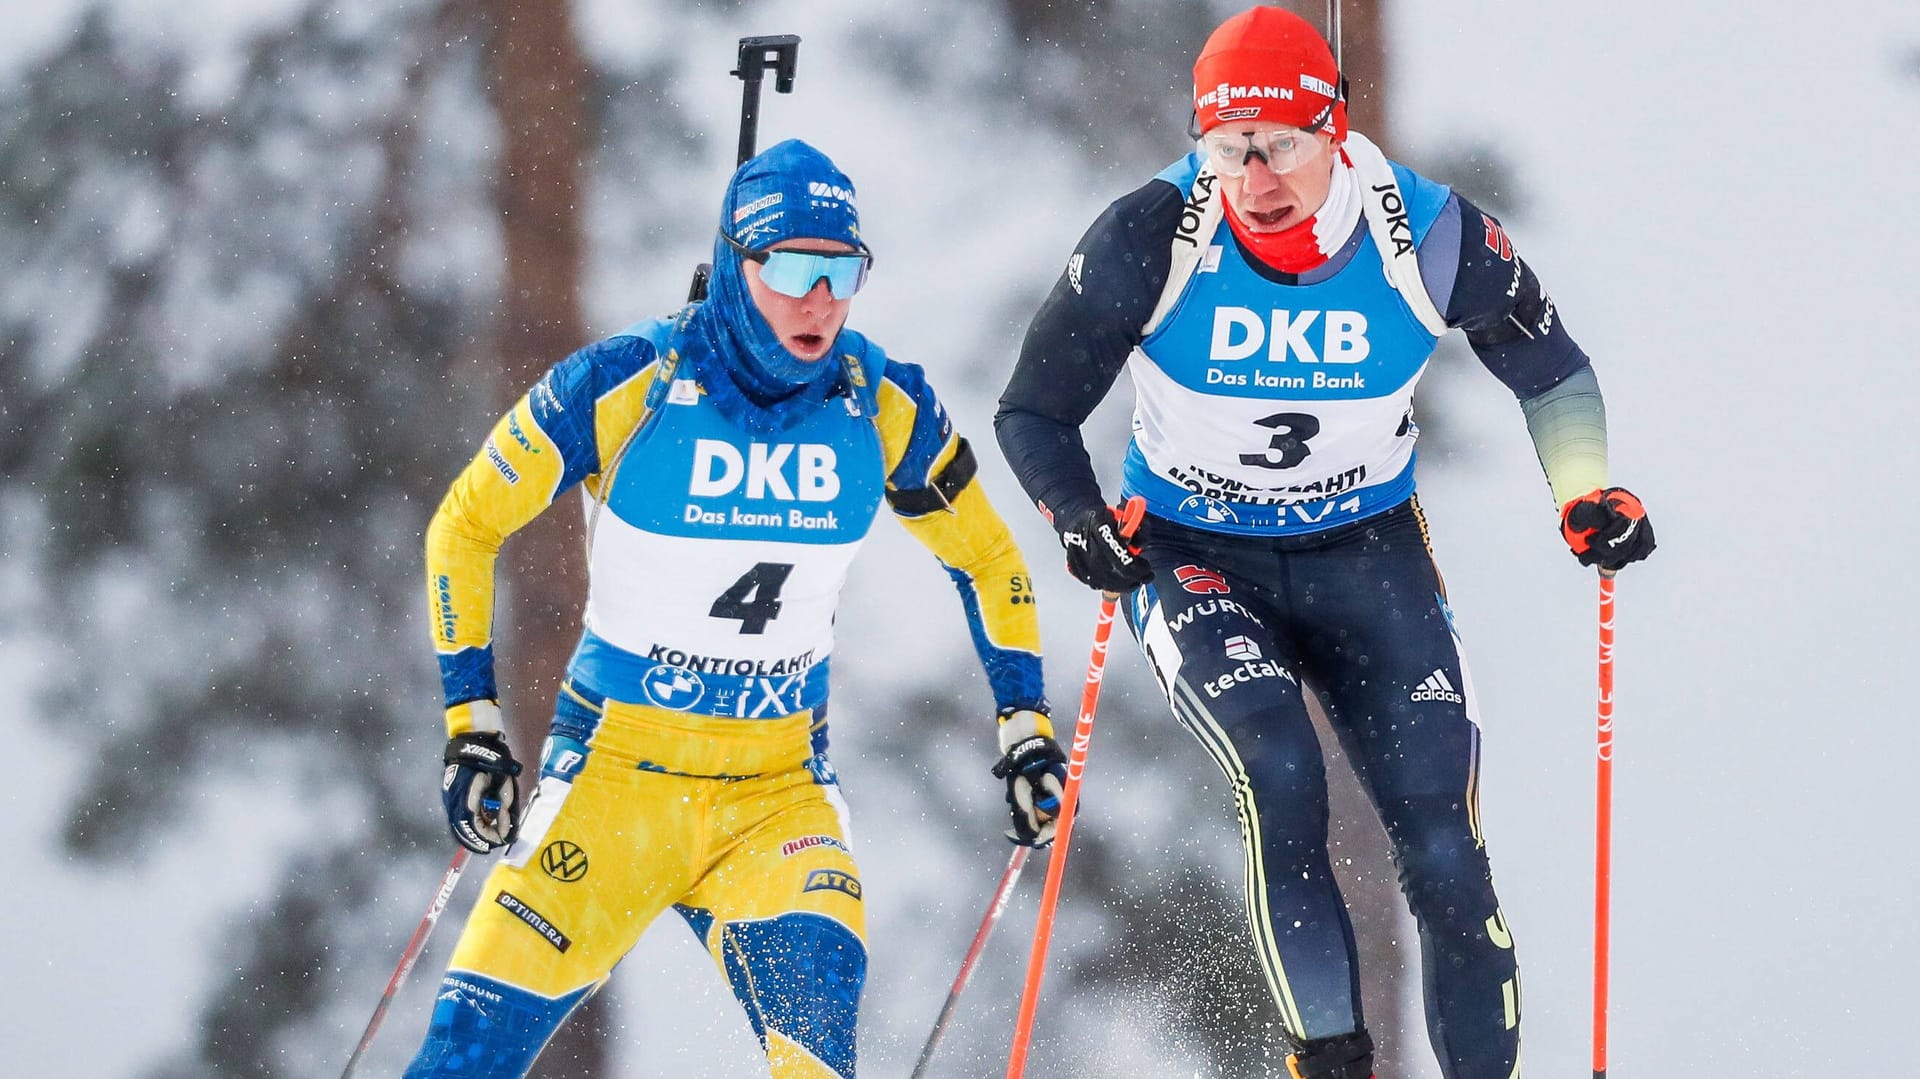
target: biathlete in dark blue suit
<point>1275,296</point>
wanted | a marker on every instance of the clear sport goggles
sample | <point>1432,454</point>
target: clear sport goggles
<point>793,271</point>
<point>1282,150</point>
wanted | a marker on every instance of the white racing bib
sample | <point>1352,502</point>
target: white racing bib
<point>718,561</point>
<point>1266,408</point>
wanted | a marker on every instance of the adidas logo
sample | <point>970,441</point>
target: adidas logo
<point>1436,688</point>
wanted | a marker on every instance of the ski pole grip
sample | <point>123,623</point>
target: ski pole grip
<point>1129,513</point>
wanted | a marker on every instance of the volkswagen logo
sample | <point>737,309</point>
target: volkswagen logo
<point>564,861</point>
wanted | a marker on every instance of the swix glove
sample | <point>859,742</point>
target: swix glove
<point>1099,554</point>
<point>1607,528</point>
<point>480,792</point>
<point>1036,773</point>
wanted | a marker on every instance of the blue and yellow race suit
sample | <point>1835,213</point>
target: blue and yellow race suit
<point>687,765</point>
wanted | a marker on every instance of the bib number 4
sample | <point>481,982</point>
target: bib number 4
<point>754,599</point>
<point>1288,447</point>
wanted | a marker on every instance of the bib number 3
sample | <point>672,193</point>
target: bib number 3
<point>1288,447</point>
<point>754,599</point>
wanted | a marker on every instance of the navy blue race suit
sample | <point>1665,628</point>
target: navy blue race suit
<point>1273,444</point>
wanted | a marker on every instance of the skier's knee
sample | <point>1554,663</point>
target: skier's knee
<point>799,975</point>
<point>1438,855</point>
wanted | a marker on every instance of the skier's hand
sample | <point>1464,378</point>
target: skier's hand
<point>1036,773</point>
<point>1607,528</point>
<point>480,792</point>
<point>1099,554</point>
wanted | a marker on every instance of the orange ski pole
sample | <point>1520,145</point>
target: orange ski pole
<point>1069,798</point>
<point>1603,831</point>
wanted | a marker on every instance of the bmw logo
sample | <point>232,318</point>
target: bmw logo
<point>673,687</point>
<point>1209,509</point>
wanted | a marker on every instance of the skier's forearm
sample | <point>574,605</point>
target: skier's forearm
<point>506,485</point>
<point>460,563</point>
<point>1050,460</point>
<point>1080,341</point>
<point>973,543</point>
<point>1569,427</point>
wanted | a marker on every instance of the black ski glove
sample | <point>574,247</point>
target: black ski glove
<point>1607,528</point>
<point>1098,554</point>
<point>1036,773</point>
<point>480,792</point>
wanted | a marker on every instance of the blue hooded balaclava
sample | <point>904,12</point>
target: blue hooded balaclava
<point>789,191</point>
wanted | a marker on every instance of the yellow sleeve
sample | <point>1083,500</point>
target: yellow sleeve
<point>578,415</point>
<point>955,520</point>
<point>505,486</point>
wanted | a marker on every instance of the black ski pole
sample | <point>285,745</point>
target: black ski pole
<point>780,52</point>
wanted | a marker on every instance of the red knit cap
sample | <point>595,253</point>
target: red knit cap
<point>1269,64</point>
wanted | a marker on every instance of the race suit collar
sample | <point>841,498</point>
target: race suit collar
<point>1309,244</point>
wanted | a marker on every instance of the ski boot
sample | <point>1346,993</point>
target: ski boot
<point>1343,1056</point>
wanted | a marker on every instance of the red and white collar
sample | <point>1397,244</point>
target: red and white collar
<point>1309,244</point>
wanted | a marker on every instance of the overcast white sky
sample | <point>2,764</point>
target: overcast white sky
<point>1719,199</point>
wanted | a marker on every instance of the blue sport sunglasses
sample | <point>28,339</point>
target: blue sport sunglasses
<point>794,271</point>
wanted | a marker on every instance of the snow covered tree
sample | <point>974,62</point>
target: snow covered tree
<point>242,367</point>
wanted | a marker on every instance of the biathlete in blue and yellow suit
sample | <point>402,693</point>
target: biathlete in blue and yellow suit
<point>732,458</point>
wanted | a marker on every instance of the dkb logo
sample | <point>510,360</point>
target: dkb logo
<point>1240,332</point>
<point>719,468</point>
<point>563,861</point>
